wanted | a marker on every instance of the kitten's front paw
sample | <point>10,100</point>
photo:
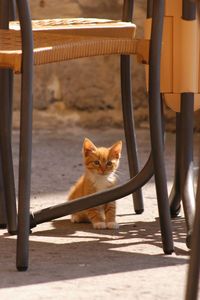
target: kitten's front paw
<point>75,219</point>
<point>112,225</point>
<point>99,225</point>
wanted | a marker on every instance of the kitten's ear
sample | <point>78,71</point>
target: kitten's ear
<point>116,149</point>
<point>88,147</point>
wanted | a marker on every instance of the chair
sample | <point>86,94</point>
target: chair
<point>58,53</point>
<point>69,39</point>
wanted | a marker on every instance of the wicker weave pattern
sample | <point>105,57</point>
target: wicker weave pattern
<point>59,45</point>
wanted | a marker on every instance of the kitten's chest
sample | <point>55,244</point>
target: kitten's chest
<point>102,182</point>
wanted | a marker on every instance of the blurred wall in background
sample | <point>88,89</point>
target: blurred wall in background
<point>86,92</point>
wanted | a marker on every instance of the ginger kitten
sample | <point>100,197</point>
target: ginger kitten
<point>100,166</point>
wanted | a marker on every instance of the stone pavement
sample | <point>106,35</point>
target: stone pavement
<point>74,261</point>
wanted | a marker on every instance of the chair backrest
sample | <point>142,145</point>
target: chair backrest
<point>180,66</point>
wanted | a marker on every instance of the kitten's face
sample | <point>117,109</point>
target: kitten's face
<point>102,161</point>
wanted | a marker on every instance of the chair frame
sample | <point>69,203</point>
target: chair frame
<point>155,163</point>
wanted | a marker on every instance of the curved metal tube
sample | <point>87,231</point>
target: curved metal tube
<point>86,202</point>
<point>156,125</point>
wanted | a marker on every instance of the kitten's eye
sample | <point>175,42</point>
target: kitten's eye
<point>109,163</point>
<point>96,163</point>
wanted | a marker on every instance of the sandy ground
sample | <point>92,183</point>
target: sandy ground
<point>74,261</point>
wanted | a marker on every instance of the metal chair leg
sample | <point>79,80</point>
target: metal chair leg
<point>129,129</point>
<point>24,177</point>
<point>186,164</point>
<point>127,109</point>
<point>156,126</point>
<point>25,137</point>
<point>175,195</point>
<point>155,10</point>
<point>187,104</point>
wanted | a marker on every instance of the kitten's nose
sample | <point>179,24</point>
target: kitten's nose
<point>102,169</point>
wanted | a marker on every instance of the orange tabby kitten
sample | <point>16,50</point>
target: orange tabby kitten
<point>100,167</point>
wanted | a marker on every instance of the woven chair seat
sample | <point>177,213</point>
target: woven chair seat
<point>87,26</point>
<point>65,39</point>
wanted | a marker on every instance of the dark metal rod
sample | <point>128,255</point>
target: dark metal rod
<point>6,132</point>
<point>129,128</point>
<point>12,10</point>
<point>86,202</point>
<point>156,125</point>
<point>128,8</point>
<point>6,152</point>
<point>186,163</point>
<point>175,195</point>
<point>25,136</point>
<point>3,211</point>
<point>3,215</point>
<point>189,10</point>
<point>127,109</point>
<point>149,8</point>
<point>187,104</point>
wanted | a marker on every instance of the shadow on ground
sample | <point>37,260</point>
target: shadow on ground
<point>68,251</point>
